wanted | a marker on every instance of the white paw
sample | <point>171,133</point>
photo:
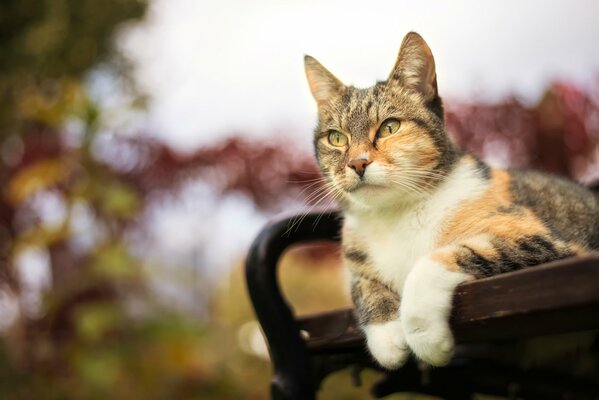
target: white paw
<point>430,340</point>
<point>425,310</point>
<point>387,344</point>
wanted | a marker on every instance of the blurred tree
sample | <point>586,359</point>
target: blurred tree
<point>46,48</point>
<point>559,135</point>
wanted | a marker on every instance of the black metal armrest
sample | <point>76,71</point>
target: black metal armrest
<point>273,312</point>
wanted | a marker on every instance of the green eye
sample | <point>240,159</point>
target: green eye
<point>389,127</point>
<point>337,139</point>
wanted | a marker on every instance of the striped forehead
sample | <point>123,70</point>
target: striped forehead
<point>359,109</point>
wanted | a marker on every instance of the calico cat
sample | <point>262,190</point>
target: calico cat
<point>421,216</point>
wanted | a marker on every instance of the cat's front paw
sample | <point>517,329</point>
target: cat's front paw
<point>431,340</point>
<point>425,310</point>
<point>387,344</point>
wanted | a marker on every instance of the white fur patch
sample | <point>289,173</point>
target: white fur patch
<point>399,234</point>
<point>425,310</point>
<point>364,155</point>
<point>387,344</point>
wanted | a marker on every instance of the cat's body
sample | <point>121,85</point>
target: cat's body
<point>422,217</point>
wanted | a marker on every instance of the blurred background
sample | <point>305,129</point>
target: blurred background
<point>143,144</point>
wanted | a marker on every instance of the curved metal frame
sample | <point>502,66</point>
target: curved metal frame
<point>293,377</point>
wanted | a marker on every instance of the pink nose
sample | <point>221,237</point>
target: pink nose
<point>359,165</point>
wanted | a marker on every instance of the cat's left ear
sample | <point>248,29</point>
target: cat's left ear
<point>415,67</point>
<point>323,84</point>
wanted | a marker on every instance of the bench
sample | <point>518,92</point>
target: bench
<point>554,298</point>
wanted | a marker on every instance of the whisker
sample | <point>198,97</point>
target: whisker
<point>319,179</point>
<point>297,220</point>
<point>411,186</point>
<point>308,187</point>
<point>421,172</point>
<point>334,199</point>
<point>315,198</point>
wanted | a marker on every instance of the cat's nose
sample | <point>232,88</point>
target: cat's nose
<point>359,165</point>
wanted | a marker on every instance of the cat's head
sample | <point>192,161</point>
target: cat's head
<point>387,143</point>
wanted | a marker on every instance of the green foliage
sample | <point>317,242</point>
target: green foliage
<point>114,356</point>
<point>46,48</point>
<point>112,261</point>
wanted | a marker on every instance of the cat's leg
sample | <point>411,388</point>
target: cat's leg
<point>428,291</point>
<point>377,309</point>
<point>426,305</point>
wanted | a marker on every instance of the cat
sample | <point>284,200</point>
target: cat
<point>422,216</point>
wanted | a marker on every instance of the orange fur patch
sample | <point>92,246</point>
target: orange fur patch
<point>482,246</point>
<point>447,257</point>
<point>413,143</point>
<point>481,215</point>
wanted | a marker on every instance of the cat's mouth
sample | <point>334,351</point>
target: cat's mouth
<point>363,186</point>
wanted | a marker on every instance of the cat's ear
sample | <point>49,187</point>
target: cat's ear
<point>415,67</point>
<point>323,84</point>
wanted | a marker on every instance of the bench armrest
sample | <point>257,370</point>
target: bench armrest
<point>273,312</point>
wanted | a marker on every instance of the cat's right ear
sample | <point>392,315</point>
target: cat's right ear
<point>415,67</point>
<point>323,84</point>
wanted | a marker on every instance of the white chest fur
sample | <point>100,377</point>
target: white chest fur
<point>396,239</point>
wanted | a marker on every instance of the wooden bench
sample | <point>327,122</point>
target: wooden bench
<point>554,298</point>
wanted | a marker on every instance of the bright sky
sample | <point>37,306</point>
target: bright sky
<point>218,67</point>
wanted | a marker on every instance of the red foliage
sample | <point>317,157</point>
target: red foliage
<point>559,135</point>
<point>265,172</point>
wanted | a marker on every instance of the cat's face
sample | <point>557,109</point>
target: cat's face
<point>385,144</point>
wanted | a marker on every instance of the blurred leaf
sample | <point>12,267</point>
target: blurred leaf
<point>117,199</point>
<point>99,370</point>
<point>120,201</point>
<point>40,237</point>
<point>52,103</point>
<point>95,320</point>
<point>91,116</point>
<point>113,261</point>
<point>34,178</point>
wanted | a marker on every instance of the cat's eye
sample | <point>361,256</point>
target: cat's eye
<point>389,127</point>
<point>337,139</point>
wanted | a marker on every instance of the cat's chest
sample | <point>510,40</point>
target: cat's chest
<point>395,243</point>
